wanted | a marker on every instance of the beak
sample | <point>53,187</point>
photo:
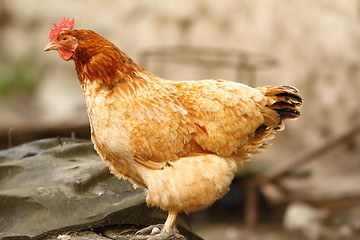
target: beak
<point>50,46</point>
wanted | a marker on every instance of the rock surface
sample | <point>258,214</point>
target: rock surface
<point>51,187</point>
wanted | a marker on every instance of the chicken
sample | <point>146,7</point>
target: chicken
<point>181,140</point>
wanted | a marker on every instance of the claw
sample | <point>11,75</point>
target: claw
<point>150,230</point>
<point>155,232</point>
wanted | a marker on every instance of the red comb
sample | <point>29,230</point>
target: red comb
<point>64,24</point>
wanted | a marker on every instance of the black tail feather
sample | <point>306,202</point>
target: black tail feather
<point>288,101</point>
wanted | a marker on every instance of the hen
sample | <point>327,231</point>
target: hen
<point>181,140</point>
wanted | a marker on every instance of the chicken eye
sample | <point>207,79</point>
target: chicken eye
<point>64,38</point>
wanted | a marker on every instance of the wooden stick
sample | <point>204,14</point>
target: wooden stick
<point>252,185</point>
<point>306,156</point>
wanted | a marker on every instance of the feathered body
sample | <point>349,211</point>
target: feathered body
<point>182,140</point>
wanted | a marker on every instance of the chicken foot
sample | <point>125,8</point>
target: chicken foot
<point>165,231</point>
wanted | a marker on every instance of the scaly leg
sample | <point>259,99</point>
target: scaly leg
<point>168,230</point>
<point>170,223</point>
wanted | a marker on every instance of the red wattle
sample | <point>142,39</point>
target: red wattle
<point>66,55</point>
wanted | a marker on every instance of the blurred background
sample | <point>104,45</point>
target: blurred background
<point>311,44</point>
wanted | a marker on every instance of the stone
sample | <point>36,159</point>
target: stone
<point>53,186</point>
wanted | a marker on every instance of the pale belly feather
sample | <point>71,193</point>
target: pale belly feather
<point>189,184</point>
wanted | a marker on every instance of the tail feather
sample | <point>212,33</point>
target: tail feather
<point>287,101</point>
<point>285,110</point>
<point>292,98</point>
<point>284,104</point>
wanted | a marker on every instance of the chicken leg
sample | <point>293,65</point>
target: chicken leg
<point>167,231</point>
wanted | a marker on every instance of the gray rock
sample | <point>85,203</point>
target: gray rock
<point>53,186</point>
